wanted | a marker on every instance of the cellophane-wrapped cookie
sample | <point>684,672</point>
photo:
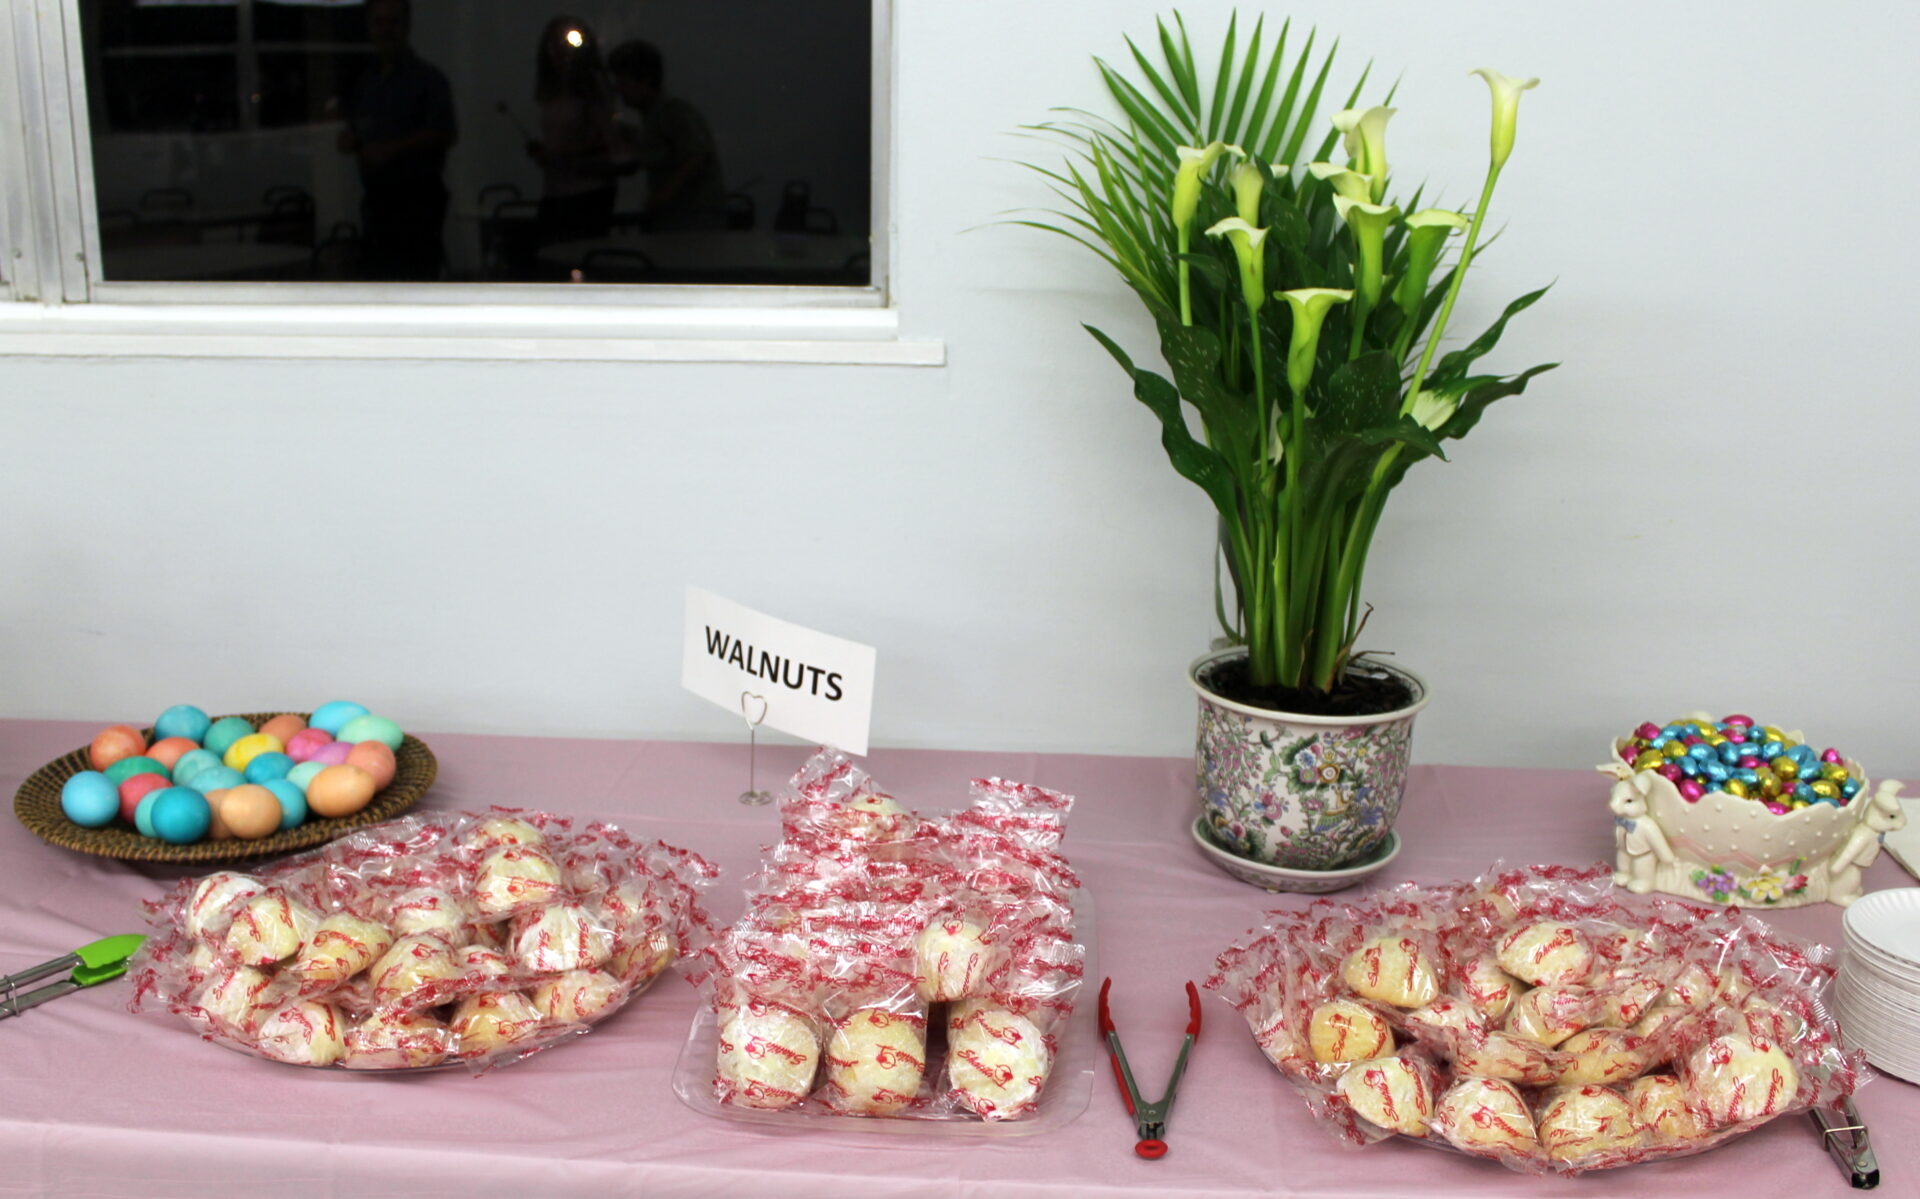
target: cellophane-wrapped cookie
<point>473,938</point>
<point>898,964</point>
<point>1540,1017</point>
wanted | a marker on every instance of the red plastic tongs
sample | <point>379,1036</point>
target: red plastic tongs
<point>1149,1119</point>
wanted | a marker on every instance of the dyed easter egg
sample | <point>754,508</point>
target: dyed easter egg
<point>136,788</point>
<point>301,745</point>
<point>251,812</point>
<point>329,718</point>
<point>180,815</point>
<point>371,728</point>
<point>216,778</point>
<point>302,774</point>
<point>293,802</point>
<point>333,753</point>
<point>224,733</point>
<point>193,762</point>
<point>126,768</point>
<point>283,726</point>
<point>376,759</point>
<point>143,814</point>
<point>269,765</point>
<point>249,747</point>
<point>339,791</point>
<point>170,750</point>
<point>183,720</point>
<point>90,799</point>
<point>112,744</point>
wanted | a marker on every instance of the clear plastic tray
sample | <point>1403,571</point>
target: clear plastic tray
<point>1068,1091</point>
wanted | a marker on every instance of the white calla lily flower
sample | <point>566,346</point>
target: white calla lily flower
<point>1345,180</point>
<point>1369,223</point>
<point>1506,109</point>
<point>1248,181</point>
<point>1433,410</point>
<point>1365,140</point>
<point>1310,307</point>
<point>1249,249</point>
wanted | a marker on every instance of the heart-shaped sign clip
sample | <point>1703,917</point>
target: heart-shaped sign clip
<point>747,700</point>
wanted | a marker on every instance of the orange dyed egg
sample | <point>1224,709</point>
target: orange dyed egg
<point>249,811</point>
<point>376,759</point>
<point>282,728</point>
<point>217,829</point>
<point>113,743</point>
<point>169,752</point>
<point>339,791</point>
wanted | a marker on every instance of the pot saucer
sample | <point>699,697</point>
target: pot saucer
<point>1280,878</point>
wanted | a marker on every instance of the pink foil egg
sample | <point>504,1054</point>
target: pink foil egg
<point>1671,771</point>
<point>333,753</point>
<point>1778,809</point>
<point>301,745</point>
<point>1691,791</point>
<point>1749,763</point>
<point>1829,755</point>
<point>1647,731</point>
<point>1745,722</point>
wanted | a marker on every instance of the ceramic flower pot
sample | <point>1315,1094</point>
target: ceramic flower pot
<point>1725,849</point>
<point>1302,792</point>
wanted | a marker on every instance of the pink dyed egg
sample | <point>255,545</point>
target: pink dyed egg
<point>301,745</point>
<point>135,789</point>
<point>112,744</point>
<point>333,753</point>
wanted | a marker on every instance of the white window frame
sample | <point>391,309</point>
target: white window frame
<point>50,266</point>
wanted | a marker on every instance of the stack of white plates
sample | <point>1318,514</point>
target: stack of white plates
<point>1877,993</point>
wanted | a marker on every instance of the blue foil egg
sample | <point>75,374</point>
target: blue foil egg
<point>1717,770</point>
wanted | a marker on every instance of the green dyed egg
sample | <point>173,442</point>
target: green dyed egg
<point>371,728</point>
<point>303,774</point>
<point>126,768</point>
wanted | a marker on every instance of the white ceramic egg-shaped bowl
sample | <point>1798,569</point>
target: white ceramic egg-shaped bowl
<point>1729,850</point>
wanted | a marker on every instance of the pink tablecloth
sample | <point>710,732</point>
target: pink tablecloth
<point>94,1101</point>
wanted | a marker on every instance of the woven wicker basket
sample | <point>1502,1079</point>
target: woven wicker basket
<point>38,805</point>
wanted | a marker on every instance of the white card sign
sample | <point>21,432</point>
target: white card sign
<point>816,687</point>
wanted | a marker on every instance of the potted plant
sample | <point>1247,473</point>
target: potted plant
<point>1301,308</point>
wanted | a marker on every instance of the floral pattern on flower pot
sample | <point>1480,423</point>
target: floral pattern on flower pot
<point>1303,796</point>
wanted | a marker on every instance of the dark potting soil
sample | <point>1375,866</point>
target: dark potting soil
<point>1359,692</point>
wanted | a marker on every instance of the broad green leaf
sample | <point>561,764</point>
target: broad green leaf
<point>1360,395</point>
<point>1456,364</point>
<point>1474,403</point>
<point>1194,461</point>
<point>1193,353</point>
<point>1215,271</point>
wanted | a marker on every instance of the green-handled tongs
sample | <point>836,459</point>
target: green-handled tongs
<point>99,962</point>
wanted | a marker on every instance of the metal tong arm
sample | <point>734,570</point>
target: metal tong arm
<point>97,962</point>
<point>1150,1118</point>
<point>1845,1136</point>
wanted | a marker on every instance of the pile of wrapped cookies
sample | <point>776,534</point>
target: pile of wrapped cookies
<point>1541,1018</point>
<point>891,964</point>
<point>474,938</point>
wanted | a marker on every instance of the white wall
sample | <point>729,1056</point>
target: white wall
<point>1709,504</point>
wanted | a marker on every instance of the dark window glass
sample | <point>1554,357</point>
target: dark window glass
<point>622,141</point>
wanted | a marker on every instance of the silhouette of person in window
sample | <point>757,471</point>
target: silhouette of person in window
<point>673,144</point>
<point>578,140</point>
<point>399,126</point>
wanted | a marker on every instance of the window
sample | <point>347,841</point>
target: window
<point>623,155</point>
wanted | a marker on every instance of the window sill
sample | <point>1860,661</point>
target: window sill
<point>491,333</point>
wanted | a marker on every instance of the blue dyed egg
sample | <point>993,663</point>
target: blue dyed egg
<point>224,733</point>
<point>371,728</point>
<point>216,778</point>
<point>90,799</point>
<point>193,762</point>
<point>268,766</point>
<point>179,816</point>
<point>332,717</point>
<point>293,802</point>
<point>182,720</point>
<point>302,774</point>
<point>143,815</point>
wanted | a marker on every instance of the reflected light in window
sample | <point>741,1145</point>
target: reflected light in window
<point>575,39</point>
